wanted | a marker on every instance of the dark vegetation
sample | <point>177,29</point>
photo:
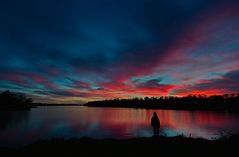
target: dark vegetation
<point>227,102</point>
<point>137,147</point>
<point>14,101</point>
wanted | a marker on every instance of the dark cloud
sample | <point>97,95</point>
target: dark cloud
<point>227,83</point>
<point>84,41</point>
<point>153,84</point>
<point>48,29</point>
<point>81,85</point>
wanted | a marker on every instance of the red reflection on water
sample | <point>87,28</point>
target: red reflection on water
<point>197,123</point>
<point>118,122</point>
<point>129,122</point>
<point>68,122</point>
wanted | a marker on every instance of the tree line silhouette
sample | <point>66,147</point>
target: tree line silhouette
<point>14,101</point>
<point>229,102</point>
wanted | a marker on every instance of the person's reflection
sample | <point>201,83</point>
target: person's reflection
<point>155,123</point>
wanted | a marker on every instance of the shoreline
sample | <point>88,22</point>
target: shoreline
<point>142,146</point>
<point>190,102</point>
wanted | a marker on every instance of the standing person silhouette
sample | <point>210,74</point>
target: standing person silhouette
<point>155,123</point>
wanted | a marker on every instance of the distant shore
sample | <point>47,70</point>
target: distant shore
<point>152,146</point>
<point>194,102</point>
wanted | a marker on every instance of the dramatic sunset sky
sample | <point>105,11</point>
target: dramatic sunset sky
<point>73,51</point>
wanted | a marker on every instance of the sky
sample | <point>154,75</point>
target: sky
<point>74,51</point>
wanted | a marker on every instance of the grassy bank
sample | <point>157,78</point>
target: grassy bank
<point>154,146</point>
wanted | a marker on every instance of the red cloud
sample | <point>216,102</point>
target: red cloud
<point>228,83</point>
<point>170,59</point>
<point>42,80</point>
<point>14,77</point>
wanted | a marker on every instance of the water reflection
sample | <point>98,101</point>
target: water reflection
<point>67,122</point>
<point>9,119</point>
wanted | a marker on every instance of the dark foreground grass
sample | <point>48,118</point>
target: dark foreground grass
<point>137,147</point>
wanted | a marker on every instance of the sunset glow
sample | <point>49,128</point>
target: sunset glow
<point>79,51</point>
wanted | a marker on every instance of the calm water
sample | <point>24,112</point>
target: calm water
<point>23,127</point>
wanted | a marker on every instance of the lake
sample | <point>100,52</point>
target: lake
<point>45,122</point>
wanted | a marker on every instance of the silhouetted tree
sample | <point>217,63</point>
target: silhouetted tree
<point>229,102</point>
<point>11,100</point>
